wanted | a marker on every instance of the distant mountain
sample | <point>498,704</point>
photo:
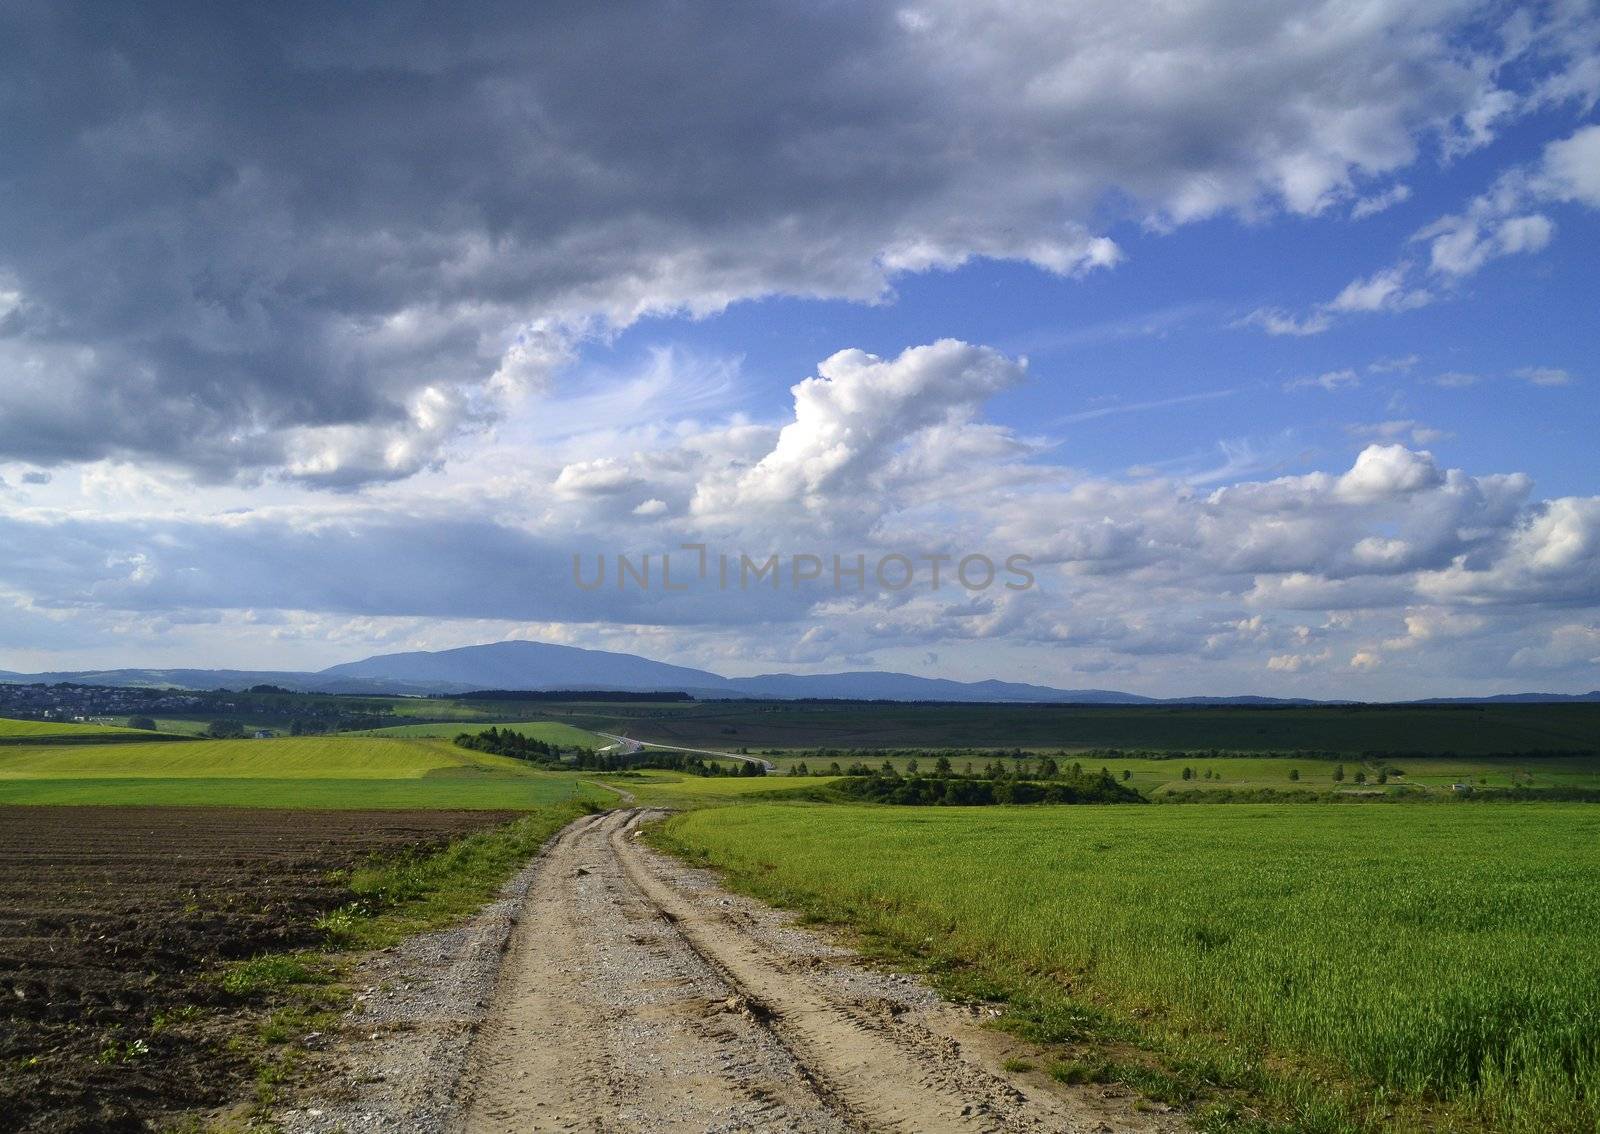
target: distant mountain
<point>1512,699</point>
<point>540,666</point>
<point>528,665</point>
<point>544,666</point>
<point>872,685</point>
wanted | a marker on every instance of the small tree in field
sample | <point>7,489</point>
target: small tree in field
<point>911,766</point>
<point>1188,773</point>
<point>1126,775</point>
<point>1361,777</point>
<point>1338,774</point>
<point>1294,774</point>
<point>941,766</point>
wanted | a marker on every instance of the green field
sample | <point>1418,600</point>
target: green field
<point>1155,777</point>
<point>57,732</point>
<point>1436,964</point>
<point>676,789</point>
<point>551,732</point>
<point>1468,730</point>
<point>319,772</point>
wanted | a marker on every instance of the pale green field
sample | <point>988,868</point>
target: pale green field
<point>551,732</point>
<point>23,731</point>
<point>309,757</point>
<point>313,772</point>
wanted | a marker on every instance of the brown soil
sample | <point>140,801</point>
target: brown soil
<point>112,919</point>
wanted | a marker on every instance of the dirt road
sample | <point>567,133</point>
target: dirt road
<point>638,996</point>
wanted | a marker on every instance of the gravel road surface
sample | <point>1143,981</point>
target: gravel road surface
<point>635,994</point>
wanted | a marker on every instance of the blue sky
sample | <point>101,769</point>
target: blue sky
<point>1268,337</point>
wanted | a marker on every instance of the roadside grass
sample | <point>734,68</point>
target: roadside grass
<point>1305,968</point>
<point>293,996</point>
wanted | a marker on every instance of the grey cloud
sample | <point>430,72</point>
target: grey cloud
<point>321,241</point>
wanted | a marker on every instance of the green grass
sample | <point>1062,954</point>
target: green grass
<point>311,772</point>
<point>551,732</point>
<point>1428,964</point>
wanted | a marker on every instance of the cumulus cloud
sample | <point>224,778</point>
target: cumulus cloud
<point>852,425</point>
<point>379,226</point>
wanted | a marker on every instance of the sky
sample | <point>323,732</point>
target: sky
<point>1254,343</point>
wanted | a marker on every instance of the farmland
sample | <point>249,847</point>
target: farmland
<point>308,772</point>
<point>551,732</point>
<point>54,732</point>
<point>1464,730</point>
<point>116,925</point>
<point>1435,964</point>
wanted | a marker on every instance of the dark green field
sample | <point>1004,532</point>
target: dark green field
<point>1433,729</point>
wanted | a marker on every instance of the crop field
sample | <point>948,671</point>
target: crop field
<point>1461,730</point>
<point>1402,967</point>
<point>310,772</point>
<point>551,732</point>
<point>59,732</point>
<point>114,922</point>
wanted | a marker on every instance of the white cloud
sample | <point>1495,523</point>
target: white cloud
<point>1543,375</point>
<point>1382,291</point>
<point>1504,221</point>
<point>1571,168</point>
<point>1380,202</point>
<point>1385,471</point>
<point>852,422</point>
<point>1398,429</point>
<point>1330,380</point>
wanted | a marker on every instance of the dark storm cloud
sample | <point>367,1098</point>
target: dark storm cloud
<point>304,238</point>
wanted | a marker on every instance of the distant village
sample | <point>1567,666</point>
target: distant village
<point>65,702</point>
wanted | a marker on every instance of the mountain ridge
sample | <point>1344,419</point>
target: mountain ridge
<point>548,666</point>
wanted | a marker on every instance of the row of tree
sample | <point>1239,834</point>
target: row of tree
<point>918,790</point>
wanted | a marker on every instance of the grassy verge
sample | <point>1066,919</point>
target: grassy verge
<point>1306,968</point>
<point>293,996</point>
